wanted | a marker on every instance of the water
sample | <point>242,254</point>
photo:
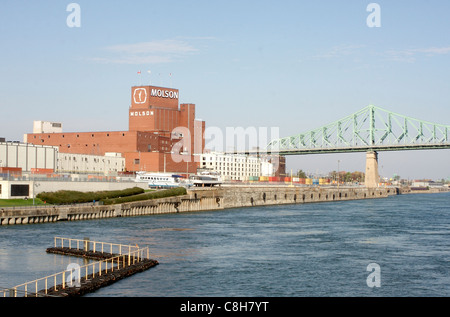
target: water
<point>320,249</point>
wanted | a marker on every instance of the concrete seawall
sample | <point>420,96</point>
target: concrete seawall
<point>235,197</point>
<point>195,200</point>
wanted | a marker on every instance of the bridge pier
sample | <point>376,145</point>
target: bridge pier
<point>372,177</point>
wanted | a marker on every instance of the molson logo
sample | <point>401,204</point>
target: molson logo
<point>164,93</point>
<point>140,95</point>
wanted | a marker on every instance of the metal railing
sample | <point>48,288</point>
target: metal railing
<point>72,277</point>
<point>97,246</point>
<point>11,292</point>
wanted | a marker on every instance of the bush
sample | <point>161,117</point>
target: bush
<point>73,197</point>
<point>152,195</point>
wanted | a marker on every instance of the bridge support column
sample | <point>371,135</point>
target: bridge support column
<point>372,177</point>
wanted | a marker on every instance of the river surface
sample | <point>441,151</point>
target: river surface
<point>317,249</point>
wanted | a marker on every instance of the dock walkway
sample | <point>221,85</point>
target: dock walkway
<point>80,280</point>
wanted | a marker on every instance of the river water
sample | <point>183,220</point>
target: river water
<point>305,250</point>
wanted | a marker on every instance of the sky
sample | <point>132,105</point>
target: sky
<point>289,65</point>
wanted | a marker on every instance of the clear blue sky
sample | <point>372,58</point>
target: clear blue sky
<point>296,65</point>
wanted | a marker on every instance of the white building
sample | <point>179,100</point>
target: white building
<point>31,158</point>
<point>47,127</point>
<point>231,166</point>
<point>111,163</point>
<point>28,156</point>
<point>267,168</point>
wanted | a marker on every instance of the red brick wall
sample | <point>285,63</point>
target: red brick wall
<point>187,116</point>
<point>166,119</point>
<point>154,162</point>
<point>93,143</point>
<point>156,141</point>
<point>199,145</point>
<point>141,119</point>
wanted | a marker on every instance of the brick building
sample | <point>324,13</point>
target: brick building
<point>162,135</point>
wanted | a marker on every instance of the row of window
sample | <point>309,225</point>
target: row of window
<point>230,159</point>
<point>237,169</point>
<point>153,178</point>
<point>238,174</point>
<point>92,135</point>
<point>100,169</point>
<point>84,159</point>
<point>250,164</point>
<point>219,165</point>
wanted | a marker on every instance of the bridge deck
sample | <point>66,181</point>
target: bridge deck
<point>399,147</point>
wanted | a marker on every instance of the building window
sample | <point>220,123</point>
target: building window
<point>136,161</point>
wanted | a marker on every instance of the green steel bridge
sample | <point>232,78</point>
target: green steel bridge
<point>370,129</point>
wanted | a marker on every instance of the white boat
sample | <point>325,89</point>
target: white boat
<point>205,179</point>
<point>158,180</point>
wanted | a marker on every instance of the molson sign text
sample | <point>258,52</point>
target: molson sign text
<point>164,93</point>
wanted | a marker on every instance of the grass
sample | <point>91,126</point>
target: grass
<point>20,202</point>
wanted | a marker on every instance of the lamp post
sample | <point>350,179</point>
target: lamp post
<point>35,185</point>
<point>338,178</point>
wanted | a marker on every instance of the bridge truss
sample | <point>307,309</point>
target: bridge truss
<point>370,129</point>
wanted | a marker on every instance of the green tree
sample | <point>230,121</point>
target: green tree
<point>301,174</point>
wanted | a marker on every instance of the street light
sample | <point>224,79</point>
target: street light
<point>338,175</point>
<point>35,185</point>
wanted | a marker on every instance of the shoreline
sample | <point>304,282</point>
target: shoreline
<point>199,199</point>
<point>425,191</point>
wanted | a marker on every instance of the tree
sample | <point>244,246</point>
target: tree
<point>333,175</point>
<point>358,177</point>
<point>344,176</point>
<point>301,174</point>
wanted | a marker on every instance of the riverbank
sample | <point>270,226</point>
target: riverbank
<point>196,199</point>
<point>425,190</point>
